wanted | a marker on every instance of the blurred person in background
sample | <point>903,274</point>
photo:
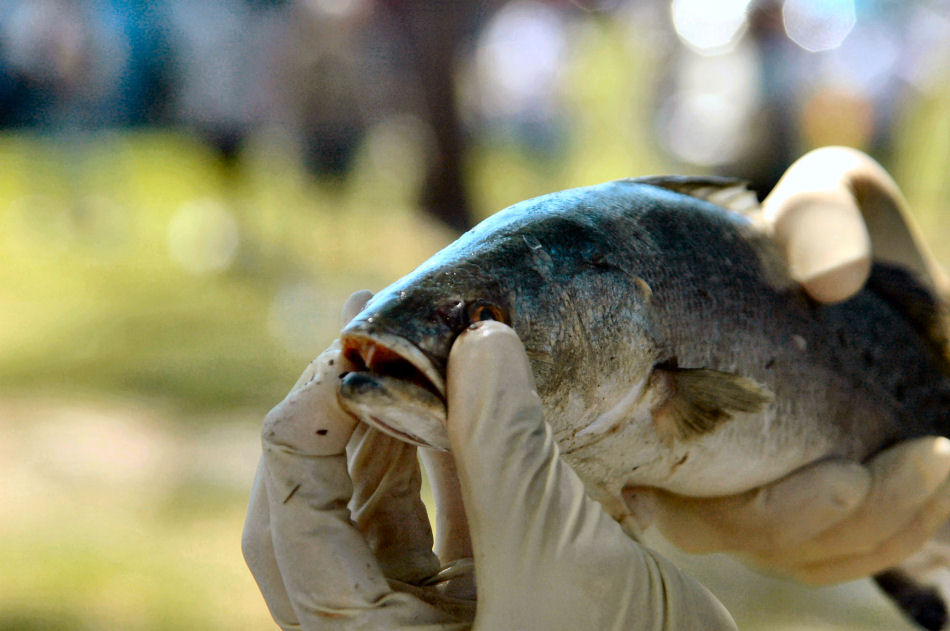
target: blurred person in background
<point>68,66</point>
<point>742,87</point>
<point>346,66</point>
<point>221,60</point>
<point>751,85</point>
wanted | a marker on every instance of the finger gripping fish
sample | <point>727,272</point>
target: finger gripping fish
<point>669,345</point>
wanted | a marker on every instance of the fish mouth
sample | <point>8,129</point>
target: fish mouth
<point>395,387</point>
<point>393,356</point>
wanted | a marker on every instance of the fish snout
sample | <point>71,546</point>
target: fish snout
<point>392,356</point>
<point>394,387</point>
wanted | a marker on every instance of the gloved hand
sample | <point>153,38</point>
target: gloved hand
<point>833,211</point>
<point>829,522</point>
<point>547,556</point>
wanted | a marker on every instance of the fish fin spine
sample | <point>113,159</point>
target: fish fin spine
<point>729,193</point>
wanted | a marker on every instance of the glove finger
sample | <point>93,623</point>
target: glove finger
<point>525,508</point>
<point>294,424</point>
<point>310,419</point>
<point>307,489</point>
<point>354,304</point>
<point>330,574</point>
<point>819,225</point>
<point>904,479</point>
<point>386,505</point>
<point>547,556</point>
<point>502,447</point>
<point>258,549</point>
<point>932,515</point>
<point>777,516</point>
<point>452,536</point>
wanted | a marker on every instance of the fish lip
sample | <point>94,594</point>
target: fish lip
<point>400,346</point>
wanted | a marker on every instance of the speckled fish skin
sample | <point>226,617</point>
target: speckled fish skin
<point>604,283</point>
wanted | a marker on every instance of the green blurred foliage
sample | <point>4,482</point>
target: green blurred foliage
<point>91,298</point>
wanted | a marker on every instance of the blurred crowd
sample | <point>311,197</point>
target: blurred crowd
<point>740,85</point>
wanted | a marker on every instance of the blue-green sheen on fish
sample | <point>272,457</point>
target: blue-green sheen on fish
<point>669,345</point>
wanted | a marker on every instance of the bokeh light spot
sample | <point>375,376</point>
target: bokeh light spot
<point>203,236</point>
<point>335,8</point>
<point>708,120</point>
<point>520,56</point>
<point>818,25</point>
<point>709,26</point>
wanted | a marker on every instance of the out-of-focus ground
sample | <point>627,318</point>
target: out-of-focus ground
<point>156,301</point>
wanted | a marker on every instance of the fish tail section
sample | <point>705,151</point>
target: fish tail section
<point>924,311</point>
<point>922,603</point>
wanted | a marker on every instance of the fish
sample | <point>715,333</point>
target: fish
<point>670,346</point>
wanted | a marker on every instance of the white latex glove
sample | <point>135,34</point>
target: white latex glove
<point>834,211</point>
<point>547,556</point>
<point>333,552</point>
<point>836,520</point>
<point>829,522</point>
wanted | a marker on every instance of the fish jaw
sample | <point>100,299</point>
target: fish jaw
<point>396,389</point>
<point>397,408</point>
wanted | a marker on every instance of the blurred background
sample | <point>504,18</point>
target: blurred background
<point>190,190</point>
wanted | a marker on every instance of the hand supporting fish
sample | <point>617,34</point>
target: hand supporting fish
<point>322,567</point>
<point>833,479</point>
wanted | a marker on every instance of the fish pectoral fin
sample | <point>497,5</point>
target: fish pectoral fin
<point>692,401</point>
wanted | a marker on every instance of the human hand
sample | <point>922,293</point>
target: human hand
<point>336,534</point>
<point>828,522</point>
<point>836,210</point>
<point>548,557</point>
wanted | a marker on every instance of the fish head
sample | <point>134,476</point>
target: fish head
<point>551,274</point>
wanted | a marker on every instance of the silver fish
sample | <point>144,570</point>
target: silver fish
<point>669,344</point>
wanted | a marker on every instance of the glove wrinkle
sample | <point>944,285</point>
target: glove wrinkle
<point>386,505</point>
<point>257,547</point>
<point>349,591</point>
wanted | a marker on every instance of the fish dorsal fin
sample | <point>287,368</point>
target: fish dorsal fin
<point>688,402</point>
<point>730,193</point>
<point>921,309</point>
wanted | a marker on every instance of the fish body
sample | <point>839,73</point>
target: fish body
<point>669,345</point>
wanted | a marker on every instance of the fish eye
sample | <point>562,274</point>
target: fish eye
<point>485,311</point>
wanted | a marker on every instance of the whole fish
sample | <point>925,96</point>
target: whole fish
<point>669,344</point>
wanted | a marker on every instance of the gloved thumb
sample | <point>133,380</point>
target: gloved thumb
<point>507,460</point>
<point>495,425</point>
<point>531,521</point>
<point>546,555</point>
